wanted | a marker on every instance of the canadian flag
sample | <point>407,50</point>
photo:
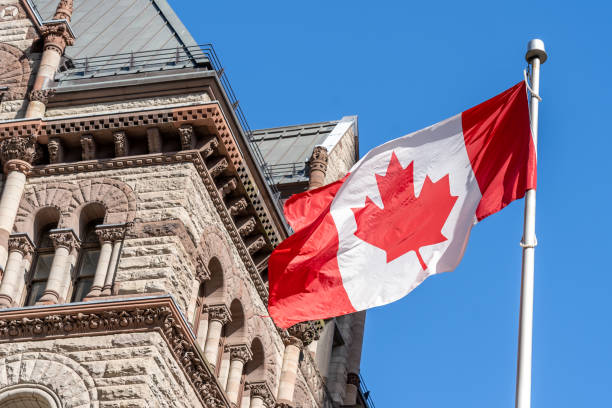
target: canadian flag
<point>404,212</point>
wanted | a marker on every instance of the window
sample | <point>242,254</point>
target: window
<point>87,263</point>
<point>43,258</point>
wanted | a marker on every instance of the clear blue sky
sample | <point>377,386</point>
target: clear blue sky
<point>402,66</point>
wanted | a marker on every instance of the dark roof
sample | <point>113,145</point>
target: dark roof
<point>110,27</point>
<point>287,149</point>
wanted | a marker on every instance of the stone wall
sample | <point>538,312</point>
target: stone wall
<point>120,370</point>
<point>341,157</point>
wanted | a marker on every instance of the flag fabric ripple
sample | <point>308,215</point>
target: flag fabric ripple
<point>404,212</point>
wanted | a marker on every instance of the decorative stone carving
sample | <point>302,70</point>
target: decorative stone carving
<point>318,160</point>
<point>237,205</point>
<point>307,332</point>
<point>154,140</point>
<point>64,10</point>
<point>187,137</point>
<point>284,404</point>
<point>110,233</point>
<point>57,36</point>
<point>352,378</point>
<point>21,243</point>
<point>9,13</point>
<point>65,238</point>
<point>209,147</point>
<point>41,95</point>
<point>88,147</point>
<point>56,150</point>
<point>246,226</point>
<point>19,148</point>
<point>218,166</point>
<point>14,72</point>
<point>219,313</point>
<point>121,144</point>
<point>227,186</point>
<point>254,244</point>
<point>118,318</point>
<point>240,352</point>
<point>263,391</point>
<point>202,272</point>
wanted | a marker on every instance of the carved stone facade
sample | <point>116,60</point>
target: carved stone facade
<point>139,236</point>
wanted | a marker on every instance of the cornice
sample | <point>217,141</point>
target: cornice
<point>93,318</point>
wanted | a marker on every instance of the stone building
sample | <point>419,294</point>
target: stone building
<point>137,214</point>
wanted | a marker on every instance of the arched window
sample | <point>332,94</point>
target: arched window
<point>87,262</point>
<point>28,396</point>
<point>43,258</point>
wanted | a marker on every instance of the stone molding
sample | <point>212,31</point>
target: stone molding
<point>21,243</point>
<point>240,352</point>
<point>20,150</point>
<point>64,238</point>
<point>110,233</point>
<point>160,314</point>
<point>262,390</point>
<point>220,313</point>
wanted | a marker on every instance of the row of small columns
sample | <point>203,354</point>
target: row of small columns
<point>64,242</point>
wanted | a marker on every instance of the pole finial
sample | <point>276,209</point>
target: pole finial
<point>535,48</point>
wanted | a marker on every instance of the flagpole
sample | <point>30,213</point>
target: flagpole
<point>536,55</point>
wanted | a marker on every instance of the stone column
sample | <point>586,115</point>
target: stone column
<point>354,358</point>
<point>318,167</point>
<point>291,361</point>
<point>25,267</point>
<point>64,241</point>
<point>261,395</point>
<point>218,316</point>
<point>56,36</point>
<point>296,337</point>
<point>117,234</point>
<point>16,153</point>
<point>20,246</point>
<point>107,235</point>
<point>239,355</point>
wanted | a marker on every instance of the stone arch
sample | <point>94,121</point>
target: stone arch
<point>28,395</point>
<point>216,255</point>
<point>117,197</point>
<point>255,369</point>
<point>258,330</point>
<point>66,378</point>
<point>14,72</point>
<point>57,195</point>
<point>236,330</point>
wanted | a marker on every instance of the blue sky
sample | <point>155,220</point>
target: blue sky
<point>402,66</point>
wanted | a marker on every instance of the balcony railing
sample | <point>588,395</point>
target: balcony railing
<point>366,393</point>
<point>200,56</point>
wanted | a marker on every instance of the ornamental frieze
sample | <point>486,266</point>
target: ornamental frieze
<point>158,314</point>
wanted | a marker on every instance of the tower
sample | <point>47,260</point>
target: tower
<point>137,214</point>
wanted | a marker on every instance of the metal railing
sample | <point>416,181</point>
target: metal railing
<point>366,393</point>
<point>199,56</point>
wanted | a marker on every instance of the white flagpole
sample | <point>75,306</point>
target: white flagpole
<point>536,55</point>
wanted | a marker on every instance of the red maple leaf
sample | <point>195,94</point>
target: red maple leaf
<point>406,222</point>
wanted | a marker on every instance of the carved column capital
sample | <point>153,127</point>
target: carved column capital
<point>21,243</point>
<point>262,390</point>
<point>289,340</point>
<point>284,404</point>
<point>64,238</point>
<point>307,332</point>
<point>110,233</point>
<point>219,313</point>
<point>18,152</point>
<point>56,36</point>
<point>240,352</point>
<point>41,95</point>
<point>63,10</point>
<point>318,160</point>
